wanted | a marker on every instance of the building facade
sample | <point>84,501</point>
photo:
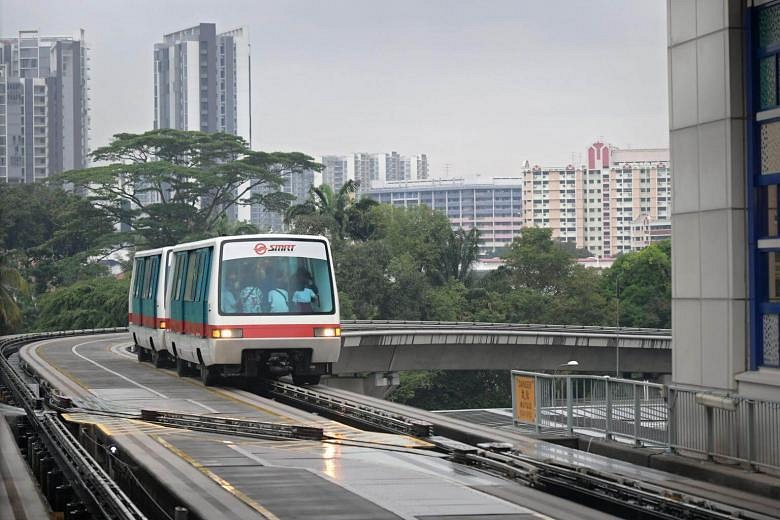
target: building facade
<point>44,109</point>
<point>724,133</point>
<point>618,202</point>
<point>297,185</point>
<point>494,208</point>
<point>202,81</point>
<point>370,168</point>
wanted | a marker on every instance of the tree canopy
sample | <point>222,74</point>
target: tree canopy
<point>169,186</point>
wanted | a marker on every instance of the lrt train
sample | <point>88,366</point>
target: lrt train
<point>247,305</point>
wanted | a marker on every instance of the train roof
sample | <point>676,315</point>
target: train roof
<point>266,236</point>
<point>153,252</point>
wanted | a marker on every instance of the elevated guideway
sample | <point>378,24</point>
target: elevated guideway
<point>392,346</point>
<point>350,473</point>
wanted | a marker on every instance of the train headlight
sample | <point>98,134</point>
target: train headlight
<point>227,333</point>
<point>163,324</point>
<point>327,332</point>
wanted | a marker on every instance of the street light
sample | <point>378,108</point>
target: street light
<point>617,326</point>
<point>571,363</point>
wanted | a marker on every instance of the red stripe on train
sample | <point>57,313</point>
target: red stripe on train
<point>135,318</point>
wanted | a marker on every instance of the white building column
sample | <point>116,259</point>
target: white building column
<point>709,216</point>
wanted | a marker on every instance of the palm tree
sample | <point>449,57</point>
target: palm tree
<point>11,284</point>
<point>323,202</point>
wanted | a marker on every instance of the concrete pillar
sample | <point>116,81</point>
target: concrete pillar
<point>709,216</point>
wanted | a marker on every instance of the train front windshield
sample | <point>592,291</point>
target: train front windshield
<point>275,277</point>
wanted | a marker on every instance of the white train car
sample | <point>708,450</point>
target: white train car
<point>253,305</point>
<point>147,309</point>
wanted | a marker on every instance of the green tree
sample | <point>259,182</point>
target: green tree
<point>537,262</point>
<point>12,285</point>
<point>420,232</point>
<point>55,236</point>
<point>454,389</point>
<point>362,275</point>
<point>96,303</point>
<point>337,214</point>
<point>169,186</point>
<point>460,253</point>
<point>638,286</point>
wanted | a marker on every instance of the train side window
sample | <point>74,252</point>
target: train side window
<point>201,288</point>
<point>192,276</point>
<point>147,278</point>
<point>155,277</point>
<point>139,276</point>
<point>178,276</point>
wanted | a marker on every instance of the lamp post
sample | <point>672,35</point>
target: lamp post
<point>617,326</point>
<point>570,363</point>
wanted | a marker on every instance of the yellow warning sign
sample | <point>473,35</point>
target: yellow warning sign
<point>525,399</point>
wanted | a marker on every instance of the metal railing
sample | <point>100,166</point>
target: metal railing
<point>692,421</point>
<point>723,426</point>
<point>600,406</point>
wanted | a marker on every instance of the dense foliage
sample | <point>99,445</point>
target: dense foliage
<point>409,264</point>
<point>96,303</point>
<point>170,186</point>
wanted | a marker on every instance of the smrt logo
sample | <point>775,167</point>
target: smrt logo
<point>282,247</point>
<point>260,248</point>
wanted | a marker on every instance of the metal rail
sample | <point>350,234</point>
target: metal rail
<point>355,411</point>
<point>93,485</point>
<point>652,500</point>
<point>233,426</point>
<point>643,497</point>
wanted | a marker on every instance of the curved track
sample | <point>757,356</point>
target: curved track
<point>349,474</point>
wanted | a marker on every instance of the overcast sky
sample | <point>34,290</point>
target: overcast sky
<point>480,85</point>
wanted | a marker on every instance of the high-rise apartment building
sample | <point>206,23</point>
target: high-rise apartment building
<point>370,168</point>
<point>336,170</point>
<point>44,110</point>
<point>494,208</point>
<point>297,185</point>
<point>618,202</point>
<point>202,81</point>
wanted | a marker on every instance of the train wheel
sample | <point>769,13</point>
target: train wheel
<point>142,354</point>
<point>182,368</point>
<point>306,380</point>
<point>159,359</point>
<point>208,375</point>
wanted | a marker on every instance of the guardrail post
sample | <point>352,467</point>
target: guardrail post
<point>180,513</point>
<point>710,433</point>
<point>608,423</point>
<point>569,405</point>
<point>538,404</point>
<point>751,432</point>
<point>671,422</point>
<point>637,415</point>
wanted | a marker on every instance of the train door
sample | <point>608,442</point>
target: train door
<point>138,277</point>
<point>177,291</point>
<point>196,291</point>
<point>149,291</point>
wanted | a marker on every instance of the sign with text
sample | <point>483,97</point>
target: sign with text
<point>525,399</point>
